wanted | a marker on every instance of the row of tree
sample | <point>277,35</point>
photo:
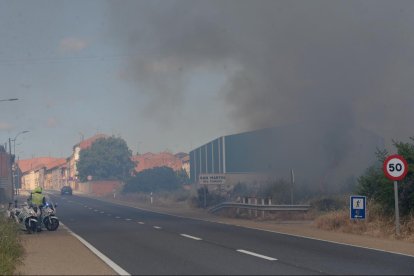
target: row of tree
<point>110,159</point>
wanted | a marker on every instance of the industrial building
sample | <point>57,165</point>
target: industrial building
<point>322,155</point>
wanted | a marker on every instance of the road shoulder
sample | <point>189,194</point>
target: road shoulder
<point>59,253</point>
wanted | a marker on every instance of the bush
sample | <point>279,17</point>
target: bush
<point>377,187</point>
<point>207,198</point>
<point>327,204</point>
<point>156,179</point>
<point>10,247</point>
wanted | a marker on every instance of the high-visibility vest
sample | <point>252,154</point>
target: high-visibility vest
<point>37,199</point>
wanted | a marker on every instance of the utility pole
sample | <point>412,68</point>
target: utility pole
<point>292,175</point>
<point>11,169</point>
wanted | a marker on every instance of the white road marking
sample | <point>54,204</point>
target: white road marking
<point>104,258</point>
<point>95,210</point>
<point>140,222</point>
<point>157,227</point>
<point>118,217</point>
<point>256,255</point>
<point>102,212</point>
<point>90,208</point>
<point>257,228</point>
<point>191,237</point>
<point>127,219</point>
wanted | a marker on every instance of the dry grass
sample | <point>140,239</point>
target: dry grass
<point>375,225</point>
<point>10,247</point>
<point>162,199</point>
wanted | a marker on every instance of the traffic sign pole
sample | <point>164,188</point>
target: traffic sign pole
<point>395,168</point>
<point>397,212</point>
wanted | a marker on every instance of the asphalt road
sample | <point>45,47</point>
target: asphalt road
<point>143,242</point>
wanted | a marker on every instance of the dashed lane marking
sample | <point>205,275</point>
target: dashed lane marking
<point>191,237</point>
<point>256,255</point>
<point>157,227</point>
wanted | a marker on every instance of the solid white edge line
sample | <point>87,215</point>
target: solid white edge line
<point>191,237</point>
<point>247,227</point>
<point>100,255</point>
<point>256,255</point>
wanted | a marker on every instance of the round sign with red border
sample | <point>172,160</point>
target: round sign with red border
<point>395,167</point>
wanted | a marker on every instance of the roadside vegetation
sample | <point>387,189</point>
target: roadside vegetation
<point>10,248</point>
<point>379,190</point>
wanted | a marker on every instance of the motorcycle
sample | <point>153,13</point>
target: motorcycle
<point>25,216</point>
<point>48,218</point>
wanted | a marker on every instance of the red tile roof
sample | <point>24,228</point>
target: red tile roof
<point>56,163</point>
<point>88,142</point>
<point>36,163</point>
<point>151,160</point>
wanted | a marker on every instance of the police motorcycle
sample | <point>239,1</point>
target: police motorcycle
<point>47,217</point>
<point>26,216</point>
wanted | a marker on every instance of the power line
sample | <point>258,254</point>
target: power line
<point>62,59</point>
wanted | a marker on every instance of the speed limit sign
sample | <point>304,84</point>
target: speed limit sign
<point>395,167</point>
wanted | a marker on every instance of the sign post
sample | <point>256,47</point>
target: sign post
<point>395,168</point>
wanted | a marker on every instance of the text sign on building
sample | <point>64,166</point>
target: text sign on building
<point>358,207</point>
<point>209,179</point>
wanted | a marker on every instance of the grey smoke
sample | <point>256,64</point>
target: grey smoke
<point>346,63</point>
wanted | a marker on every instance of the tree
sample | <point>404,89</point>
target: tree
<point>155,179</point>
<point>376,186</point>
<point>106,159</point>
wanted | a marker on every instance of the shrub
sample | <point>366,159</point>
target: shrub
<point>10,247</point>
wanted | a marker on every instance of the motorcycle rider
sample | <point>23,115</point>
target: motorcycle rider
<point>37,198</point>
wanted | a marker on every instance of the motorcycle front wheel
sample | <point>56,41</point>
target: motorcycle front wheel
<point>31,226</point>
<point>51,224</point>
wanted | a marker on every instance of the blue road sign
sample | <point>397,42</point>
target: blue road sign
<point>358,206</point>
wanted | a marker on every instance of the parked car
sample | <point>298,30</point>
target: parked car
<point>66,190</point>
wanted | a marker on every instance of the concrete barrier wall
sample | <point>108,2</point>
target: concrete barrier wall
<point>99,187</point>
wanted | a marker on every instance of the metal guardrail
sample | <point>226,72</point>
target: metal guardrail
<point>259,207</point>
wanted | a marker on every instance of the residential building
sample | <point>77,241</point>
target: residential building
<point>34,171</point>
<point>151,160</point>
<point>73,175</point>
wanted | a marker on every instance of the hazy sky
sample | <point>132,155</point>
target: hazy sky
<point>176,74</point>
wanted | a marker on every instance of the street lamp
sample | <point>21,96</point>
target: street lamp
<point>14,140</point>
<point>9,100</point>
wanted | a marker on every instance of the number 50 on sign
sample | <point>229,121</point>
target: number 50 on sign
<point>395,167</point>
